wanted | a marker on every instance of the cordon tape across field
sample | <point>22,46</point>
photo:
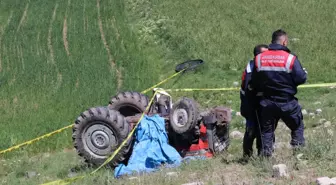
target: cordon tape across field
<point>145,91</point>
<point>70,126</point>
<point>69,180</point>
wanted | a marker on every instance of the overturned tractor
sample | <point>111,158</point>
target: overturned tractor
<point>99,131</point>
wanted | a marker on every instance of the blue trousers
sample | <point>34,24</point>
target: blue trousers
<point>252,132</point>
<point>249,110</point>
<point>290,113</point>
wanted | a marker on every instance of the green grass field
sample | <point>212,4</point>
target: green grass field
<point>58,58</point>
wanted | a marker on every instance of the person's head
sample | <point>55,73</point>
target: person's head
<point>280,37</point>
<point>259,49</point>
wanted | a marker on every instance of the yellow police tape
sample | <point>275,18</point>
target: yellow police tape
<point>163,81</point>
<point>318,85</point>
<point>36,139</point>
<point>69,126</point>
<point>66,181</point>
<point>168,90</point>
<point>69,180</point>
<point>237,88</point>
<point>145,91</point>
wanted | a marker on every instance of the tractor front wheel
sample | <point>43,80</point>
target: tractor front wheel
<point>184,115</point>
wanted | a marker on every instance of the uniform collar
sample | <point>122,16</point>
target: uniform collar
<point>278,47</point>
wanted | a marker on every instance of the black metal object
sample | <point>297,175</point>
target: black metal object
<point>210,124</point>
<point>189,65</point>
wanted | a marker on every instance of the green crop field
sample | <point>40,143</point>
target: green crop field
<point>58,58</point>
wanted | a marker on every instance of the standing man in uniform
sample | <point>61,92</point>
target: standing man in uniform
<point>249,107</point>
<point>277,73</point>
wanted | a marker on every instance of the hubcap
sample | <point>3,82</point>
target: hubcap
<point>99,139</point>
<point>180,117</point>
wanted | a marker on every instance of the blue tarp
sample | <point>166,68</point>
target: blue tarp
<point>151,148</point>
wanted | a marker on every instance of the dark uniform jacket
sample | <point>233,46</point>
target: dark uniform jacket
<point>248,101</point>
<point>277,73</point>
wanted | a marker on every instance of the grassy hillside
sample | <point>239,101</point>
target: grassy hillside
<point>223,33</point>
<point>57,58</point>
<point>60,58</point>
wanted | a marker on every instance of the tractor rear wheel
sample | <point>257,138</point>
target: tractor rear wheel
<point>98,132</point>
<point>184,115</point>
<point>129,103</point>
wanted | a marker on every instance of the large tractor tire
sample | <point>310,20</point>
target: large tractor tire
<point>98,132</point>
<point>129,103</point>
<point>184,115</point>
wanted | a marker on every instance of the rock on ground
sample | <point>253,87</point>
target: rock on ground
<point>31,174</point>
<point>299,157</point>
<point>321,121</point>
<point>325,181</point>
<point>318,111</point>
<point>237,135</point>
<point>172,174</point>
<point>304,112</point>
<point>72,174</point>
<point>235,84</point>
<point>327,124</point>
<point>280,170</point>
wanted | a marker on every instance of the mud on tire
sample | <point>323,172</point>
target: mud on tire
<point>184,115</point>
<point>98,132</point>
<point>129,103</point>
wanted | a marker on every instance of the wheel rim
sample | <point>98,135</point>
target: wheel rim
<point>99,139</point>
<point>180,117</point>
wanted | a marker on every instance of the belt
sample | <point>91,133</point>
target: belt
<point>279,100</point>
